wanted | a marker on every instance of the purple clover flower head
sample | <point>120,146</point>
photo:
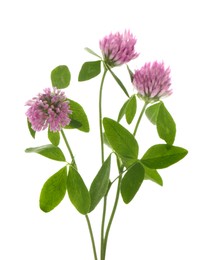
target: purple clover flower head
<point>152,81</point>
<point>50,108</point>
<point>118,49</point>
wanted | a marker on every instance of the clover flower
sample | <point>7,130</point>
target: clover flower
<point>50,108</point>
<point>118,49</point>
<point>152,81</point>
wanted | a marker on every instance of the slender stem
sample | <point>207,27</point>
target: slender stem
<point>92,237</point>
<point>103,227</point>
<point>140,117</point>
<point>69,148</point>
<point>114,208</point>
<point>102,158</point>
<point>86,216</point>
<point>100,115</point>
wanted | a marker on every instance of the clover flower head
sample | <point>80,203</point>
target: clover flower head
<point>118,49</point>
<point>152,81</point>
<point>50,108</point>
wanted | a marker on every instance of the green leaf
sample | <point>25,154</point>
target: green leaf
<point>122,111</point>
<point>100,184</point>
<point>152,112</point>
<point>130,110</point>
<point>54,137</point>
<point>78,117</point>
<point>89,70</point>
<point>53,190</point>
<point>166,126</point>
<point>49,151</point>
<point>118,81</point>
<point>162,155</point>
<point>121,141</point>
<point>74,124</point>
<point>60,77</point>
<point>32,132</point>
<point>130,73</point>
<point>153,175</point>
<point>92,52</point>
<point>131,182</point>
<point>78,193</point>
<point>105,140</point>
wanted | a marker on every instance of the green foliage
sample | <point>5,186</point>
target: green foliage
<point>122,111</point>
<point>118,81</point>
<point>131,109</point>
<point>166,126</point>
<point>99,186</point>
<point>32,132</point>
<point>49,151</point>
<point>60,77</point>
<point>89,70</point>
<point>131,182</point>
<point>121,141</point>
<point>92,52</point>
<point>78,117</point>
<point>53,190</point>
<point>162,155</point>
<point>152,112</point>
<point>128,109</point>
<point>77,191</point>
<point>159,116</point>
<point>54,137</point>
<point>105,140</point>
<point>153,175</point>
<point>130,73</point>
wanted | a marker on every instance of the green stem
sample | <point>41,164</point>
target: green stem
<point>69,149</point>
<point>103,227</point>
<point>114,209</point>
<point>102,158</point>
<point>73,163</point>
<point>100,115</point>
<point>140,117</point>
<point>92,237</point>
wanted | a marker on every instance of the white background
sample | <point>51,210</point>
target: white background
<point>176,221</point>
